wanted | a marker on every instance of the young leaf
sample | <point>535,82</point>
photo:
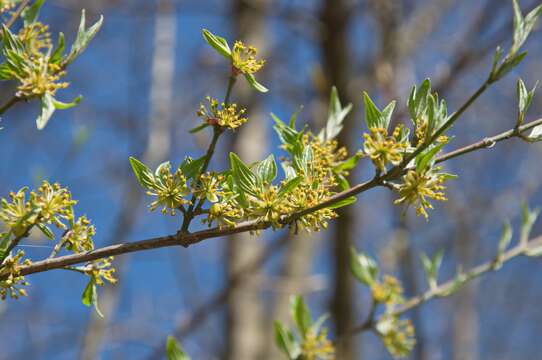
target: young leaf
<point>46,231</point>
<point>84,36</point>
<point>198,128</point>
<point>525,98</point>
<point>191,168</point>
<point>363,267</point>
<point>335,117</point>
<point>424,159</point>
<point>288,186</point>
<point>266,170</point>
<point>30,13</point>
<point>528,218</point>
<point>56,56</point>
<point>255,85</point>
<point>47,110</point>
<point>59,105</point>
<point>174,351</point>
<point>286,342</point>
<point>431,267</point>
<point>342,203</point>
<point>242,176</point>
<point>218,43</point>
<point>90,296</point>
<point>301,315</point>
<point>142,173</point>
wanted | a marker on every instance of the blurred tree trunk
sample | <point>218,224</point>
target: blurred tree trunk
<point>245,316</point>
<point>335,17</point>
<point>158,148</point>
<point>465,322</point>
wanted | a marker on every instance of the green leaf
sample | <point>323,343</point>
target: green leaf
<point>348,164</point>
<point>84,36</point>
<point>46,231</point>
<point>342,203</point>
<point>301,315</point>
<point>142,173</point>
<point>335,117</point>
<point>525,98</point>
<point>90,296</point>
<point>417,101</point>
<point>266,170</point>
<point>528,218</point>
<point>198,128</point>
<point>425,158</point>
<point>242,176</point>
<point>30,13</point>
<point>218,43</point>
<point>59,105</point>
<point>431,267</point>
<point>363,267</point>
<point>536,134</point>
<point>373,116</point>
<point>255,85</point>
<point>47,110</point>
<point>56,56</point>
<point>289,185</point>
<point>506,238</point>
<point>191,168</point>
<point>174,350</point>
<point>286,342</point>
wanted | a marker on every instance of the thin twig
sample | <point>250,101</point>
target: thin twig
<point>17,12</point>
<point>441,290</point>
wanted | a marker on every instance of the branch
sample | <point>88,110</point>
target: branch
<point>188,239</point>
<point>522,248</point>
<point>518,250</point>
<point>17,12</point>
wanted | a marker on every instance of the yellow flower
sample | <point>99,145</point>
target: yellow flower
<point>224,213</point>
<point>18,214</point>
<point>316,346</point>
<point>244,58</point>
<point>38,77</point>
<point>170,190</point>
<point>222,115</point>
<point>11,285</point>
<point>208,187</point>
<point>397,335</point>
<point>384,149</point>
<point>36,38</point>
<point>101,270</point>
<point>388,292</point>
<point>418,188</point>
<point>79,237</point>
<point>54,203</point>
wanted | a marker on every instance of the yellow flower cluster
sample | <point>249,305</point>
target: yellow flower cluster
<point>6,5</point>
<point>421,132</point>
<point>170,190</point>
<point>101,270</point>
<point>11,285</point>
<point>79,237</point>
<point>208,187</point>
<point>54,203</point>
<point>316,346</point>
<point>384,149</point>
<point>225,213</point>
<point>17,214</point>
<point>244,58</point>
<point>227,116</point>
<point>418,188</point>
<point>398,335</point>
<point>389,291</point>
<point>36,38</point>
<point>37,77</point>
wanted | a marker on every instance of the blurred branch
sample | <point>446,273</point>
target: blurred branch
<point>522,248</point>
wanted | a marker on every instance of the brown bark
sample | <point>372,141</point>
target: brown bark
<point>335,17</point>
